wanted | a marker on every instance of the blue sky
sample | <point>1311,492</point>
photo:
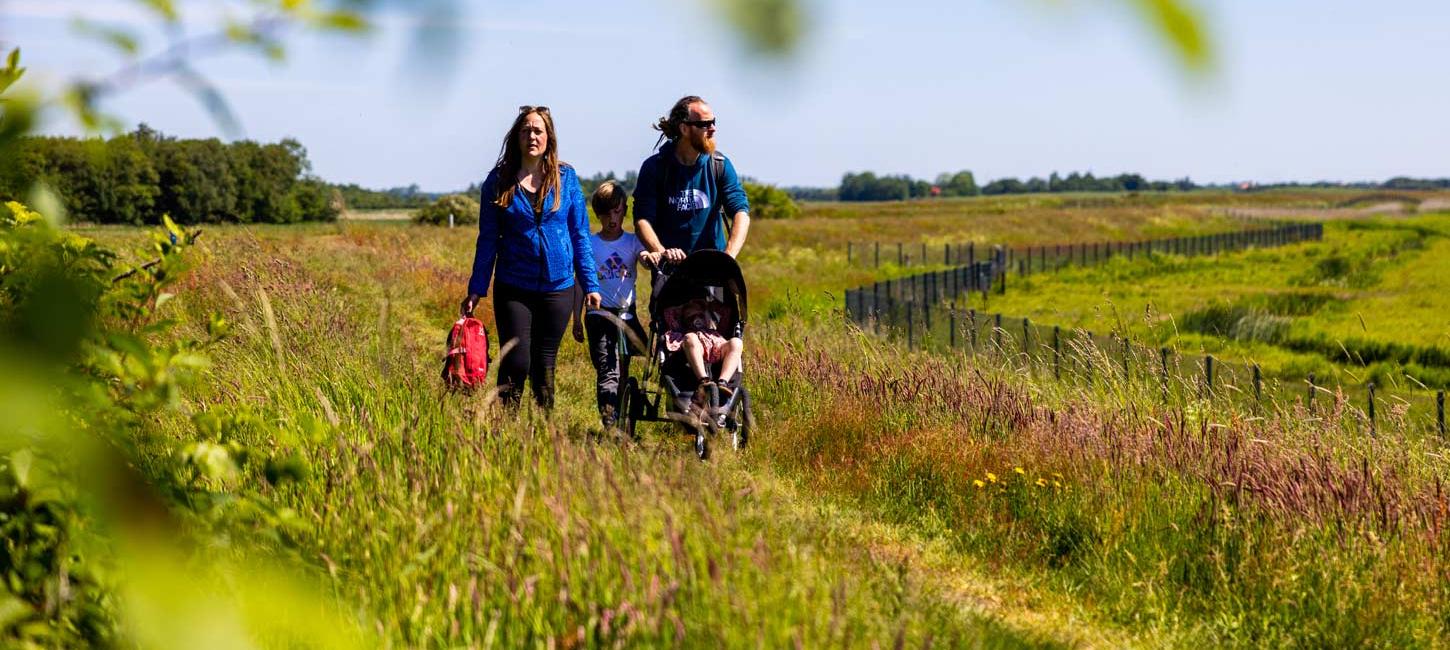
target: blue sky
<point>1333,89</point>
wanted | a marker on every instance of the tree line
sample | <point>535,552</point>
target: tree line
<point>140,176</point>
<point>356,197</point>
<point>867,186</point>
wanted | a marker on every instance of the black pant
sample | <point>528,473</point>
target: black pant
<point>536,320</point>
<point>610,368</point>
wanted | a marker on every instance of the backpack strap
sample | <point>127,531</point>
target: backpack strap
<point>717,169</point>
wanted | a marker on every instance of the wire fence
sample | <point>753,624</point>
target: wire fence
<point>927,319</point>
<point>1053,257</point>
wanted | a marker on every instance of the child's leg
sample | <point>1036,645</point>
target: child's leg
<point>695,354</point>
<point>730,361</point>
<point>603,353</point>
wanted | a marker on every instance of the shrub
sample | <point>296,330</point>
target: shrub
<point>770,202</point>
<point>463,208</point>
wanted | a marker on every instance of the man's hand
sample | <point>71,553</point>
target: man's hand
<point>593,300</point>
<point>466,309</point>
<point>674,255</point>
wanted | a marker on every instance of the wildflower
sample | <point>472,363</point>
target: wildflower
<point>1056,484</point>
<point>991,477</point>
<point>979,483</point>
<point>1019,471</point>
<point>1056,476</point>
<point>1041,482</point>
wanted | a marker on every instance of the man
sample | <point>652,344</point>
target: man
<point>686,189</point>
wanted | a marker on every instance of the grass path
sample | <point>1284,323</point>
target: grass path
<point>724,553</point>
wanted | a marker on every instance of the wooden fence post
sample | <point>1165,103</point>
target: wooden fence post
<point>1163,362</point>
<point>972,325</point>
<point>952,325</point>
<point>1026,336</point>
<point>1440,413</point>
<point>1371,409</point>
<point>1207,376</point>
<point>1057,353</point>
<point>878,255</point>
<point>997,331</point>
<point>910,326</point>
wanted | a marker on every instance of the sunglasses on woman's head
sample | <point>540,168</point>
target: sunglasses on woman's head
<point>533,109</point>
<point>700,124</point>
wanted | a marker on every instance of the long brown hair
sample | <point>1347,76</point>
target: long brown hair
<point>669,125</point>
<point>511,159</point>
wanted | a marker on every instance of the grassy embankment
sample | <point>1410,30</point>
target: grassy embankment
<point>856,516</point>
<point>1369,303</point>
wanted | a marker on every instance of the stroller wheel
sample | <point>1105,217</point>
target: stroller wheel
<point>629,407</point>
<point>702,444</point>
<point>744,422</point>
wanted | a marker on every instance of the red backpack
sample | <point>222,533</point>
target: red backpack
<point>466,364</point>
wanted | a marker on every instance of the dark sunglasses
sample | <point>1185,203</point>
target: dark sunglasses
<point>700,124</point>
<point>533,109</point>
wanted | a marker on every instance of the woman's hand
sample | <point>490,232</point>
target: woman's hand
<point>593,300</point>
<point>466,309</point>
<point>674,255</point>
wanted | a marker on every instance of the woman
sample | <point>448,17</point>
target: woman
<point>533,242</point>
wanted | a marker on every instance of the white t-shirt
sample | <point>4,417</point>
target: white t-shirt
<point>617,266</point>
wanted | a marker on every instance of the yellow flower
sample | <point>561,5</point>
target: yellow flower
<point>979,483</point>
<point>1041,483</point>
<point>991,477</point>
<point>1056,475</point>
<point>1019,471</point>
<point>1056,484</point>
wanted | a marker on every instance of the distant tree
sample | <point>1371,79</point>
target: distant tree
<point>463,208</point>
<point>962,183</point>
<point>770,202</point>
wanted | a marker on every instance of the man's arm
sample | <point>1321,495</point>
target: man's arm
<point>736,203</point>
<point>738,233</point>
<point>646,234</point>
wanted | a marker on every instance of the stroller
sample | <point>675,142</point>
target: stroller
<point>664,392</point>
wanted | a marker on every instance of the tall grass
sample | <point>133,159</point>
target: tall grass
<point>880,504</point>
<point>441,521</point>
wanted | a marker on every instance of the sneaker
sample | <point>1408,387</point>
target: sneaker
<point>606,416</point>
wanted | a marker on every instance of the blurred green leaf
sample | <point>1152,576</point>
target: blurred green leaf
<point>20,463</point>
<point>165,8</point>
<point>12,71</point>
<point>343,21</point>
<point>1180,25</point>
<point>122,40</point>
<point>771,27</point>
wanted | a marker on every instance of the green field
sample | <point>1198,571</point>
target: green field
<point>890,497</point>
<point>1368,303</point>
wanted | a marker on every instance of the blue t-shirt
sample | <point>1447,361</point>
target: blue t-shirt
<point>682,202</point>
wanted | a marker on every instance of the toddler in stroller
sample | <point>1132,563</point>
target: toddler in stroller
<point>694,328</point>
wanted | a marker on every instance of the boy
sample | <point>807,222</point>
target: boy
<point>616,256</point>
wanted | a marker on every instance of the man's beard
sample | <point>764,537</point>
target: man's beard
<point>701,143</point>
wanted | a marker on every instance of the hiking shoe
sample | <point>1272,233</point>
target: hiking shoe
<point>606,417</point>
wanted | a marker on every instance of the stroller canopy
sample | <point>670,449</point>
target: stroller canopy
<point>705,273</point>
